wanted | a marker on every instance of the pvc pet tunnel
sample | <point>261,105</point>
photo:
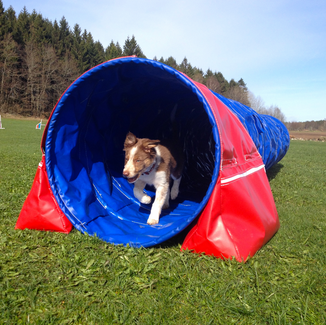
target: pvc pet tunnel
<point>225,201</point>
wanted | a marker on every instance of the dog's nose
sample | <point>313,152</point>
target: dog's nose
<point>125,173</point>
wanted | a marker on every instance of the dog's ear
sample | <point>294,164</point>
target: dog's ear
<point>130,140</point>
<point>150,144</point>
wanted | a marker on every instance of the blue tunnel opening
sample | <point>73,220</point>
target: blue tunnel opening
<point>84,156</point>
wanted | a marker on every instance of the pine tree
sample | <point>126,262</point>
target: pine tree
<point>22,28</point>
<point>64,37</point>
<point>132,48</point>
<point>119,49</point>
<point>232,83</point>
<point>55,38</point>
<point>113,51</point>
<point>83,62</point>
<point>186,67</point>
<point>222,81</point>
<point>77,33</point>
<point>99,53</point>
<point>89,58</point>
<point>2,20</point>
<point>209,73</point>
<point>171,62</point>
<point>242,84</point>
<point>219,76</point>
<point>37,28</point>
<point>10,20</point>
<point>47,31</point>
<point>77,47</point>
<point>237,93</point>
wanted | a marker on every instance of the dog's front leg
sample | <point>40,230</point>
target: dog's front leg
<point>160,197</point>
<point>139,192</point>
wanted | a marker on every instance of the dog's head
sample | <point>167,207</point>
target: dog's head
<point>139,156</point>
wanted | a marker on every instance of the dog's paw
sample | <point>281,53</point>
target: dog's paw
<point>146,199</point>
<point>152,221</point>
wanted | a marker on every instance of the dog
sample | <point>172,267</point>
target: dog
<point>149,162</point>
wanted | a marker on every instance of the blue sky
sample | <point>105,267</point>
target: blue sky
<point>278,47</point>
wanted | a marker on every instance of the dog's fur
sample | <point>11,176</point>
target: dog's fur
<point>149,162</point>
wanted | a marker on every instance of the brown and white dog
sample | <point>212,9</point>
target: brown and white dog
<point>149,162</point>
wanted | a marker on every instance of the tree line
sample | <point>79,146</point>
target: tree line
<point>39,59</point>
<point>307,126</point>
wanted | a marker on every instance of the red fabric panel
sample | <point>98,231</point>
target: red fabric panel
<point>40,210</point>
<point>240,216</point>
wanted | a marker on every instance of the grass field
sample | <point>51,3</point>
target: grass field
<point>53,278</point>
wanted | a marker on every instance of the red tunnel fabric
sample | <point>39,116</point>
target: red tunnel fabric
<point>40,210</point>
<point>240,216</point>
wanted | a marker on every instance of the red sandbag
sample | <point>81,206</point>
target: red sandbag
<point>240,216</point>
<point>40,210</point>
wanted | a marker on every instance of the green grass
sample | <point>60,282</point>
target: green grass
<point>53,278</point>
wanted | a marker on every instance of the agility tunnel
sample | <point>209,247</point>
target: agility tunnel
<point>225,202</point>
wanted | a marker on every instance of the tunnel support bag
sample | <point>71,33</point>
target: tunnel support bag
<point>240,216</point>
<point>40,210</point>
<point>225,195</point>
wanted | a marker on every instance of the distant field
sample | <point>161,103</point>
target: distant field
<point>307,135</point>
<point>53,278</point>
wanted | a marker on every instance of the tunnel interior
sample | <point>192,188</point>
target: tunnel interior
<point>84,148</point>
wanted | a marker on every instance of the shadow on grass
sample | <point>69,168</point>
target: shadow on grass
<point>179,238</point>
<point>273,171</point>
<point>173,242</point>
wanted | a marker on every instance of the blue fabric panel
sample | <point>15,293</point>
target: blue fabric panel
<point>270,135</point>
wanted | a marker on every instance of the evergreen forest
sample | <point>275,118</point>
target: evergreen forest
<point>39,59</point>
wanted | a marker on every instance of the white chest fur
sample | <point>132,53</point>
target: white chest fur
<point>155,178</point>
